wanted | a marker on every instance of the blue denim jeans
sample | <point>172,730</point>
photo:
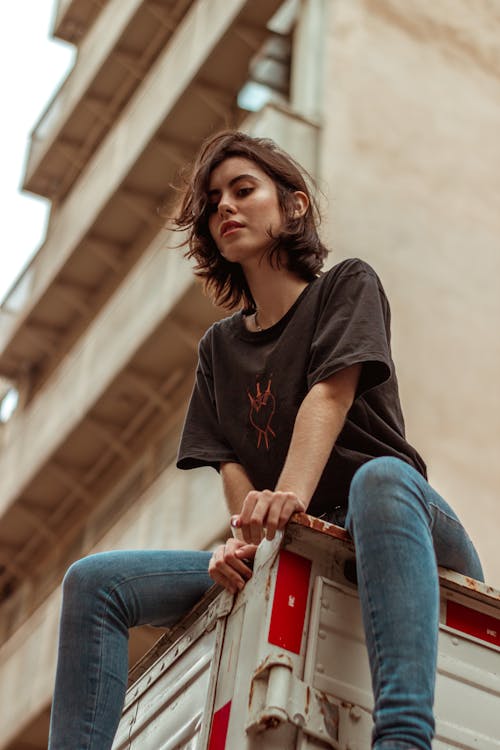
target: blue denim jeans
<point>103,596</point>
<point>402,530</point>
<point>400,526</point>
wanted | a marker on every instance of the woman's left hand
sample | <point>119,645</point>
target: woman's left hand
<point>228,565</point>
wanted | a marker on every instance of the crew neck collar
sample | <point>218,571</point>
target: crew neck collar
<point>268,333</point>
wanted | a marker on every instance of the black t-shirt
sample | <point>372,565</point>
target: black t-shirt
<point>249,386</point>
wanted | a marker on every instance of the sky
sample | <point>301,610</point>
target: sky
<point>32,66</point>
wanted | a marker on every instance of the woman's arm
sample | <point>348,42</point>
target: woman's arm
<point>236,485</point>
<point>317,426</point>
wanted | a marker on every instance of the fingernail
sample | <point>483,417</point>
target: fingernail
<point>235,521</point>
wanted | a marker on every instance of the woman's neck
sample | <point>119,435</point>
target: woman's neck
<point>274,291</point>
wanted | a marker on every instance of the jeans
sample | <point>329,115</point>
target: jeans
<point>103,596</point>
<point>400,526</point>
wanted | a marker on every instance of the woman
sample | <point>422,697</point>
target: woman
<point>296,405</point>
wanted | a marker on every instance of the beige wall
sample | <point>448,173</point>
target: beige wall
<point>410,162</point>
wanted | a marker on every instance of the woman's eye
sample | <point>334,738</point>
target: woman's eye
<point>244,191</point>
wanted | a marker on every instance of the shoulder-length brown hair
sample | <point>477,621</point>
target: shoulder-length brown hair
<point>303,250</point>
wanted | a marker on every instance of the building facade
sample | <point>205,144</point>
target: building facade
<point>395,112</point>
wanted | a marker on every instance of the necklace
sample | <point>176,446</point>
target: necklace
<point>255,320</point>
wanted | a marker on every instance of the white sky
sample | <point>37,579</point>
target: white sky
<point>32,65</point>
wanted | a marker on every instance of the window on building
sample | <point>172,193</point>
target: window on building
<point>269,74</point>
<point>8,400</point>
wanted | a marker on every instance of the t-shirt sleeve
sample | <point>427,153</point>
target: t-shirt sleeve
<point>202,442</point>
<point>353,327</point>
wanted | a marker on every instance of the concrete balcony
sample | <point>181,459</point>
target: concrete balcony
<point>298,135</point>
<point>110,217</point>
<point>121,43</point>
<point>129,373</point>
<point>73,18</point>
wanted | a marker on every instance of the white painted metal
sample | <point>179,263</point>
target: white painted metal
<point>168,714</point>
<point>316,699</point>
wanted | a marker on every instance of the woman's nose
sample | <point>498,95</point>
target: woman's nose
<point>225,208</point>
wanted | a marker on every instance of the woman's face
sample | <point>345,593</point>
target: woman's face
<point>244,210</point>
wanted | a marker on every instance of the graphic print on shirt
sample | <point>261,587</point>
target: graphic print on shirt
<point>262,408</point>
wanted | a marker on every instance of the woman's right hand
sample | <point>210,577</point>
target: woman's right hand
<point>227,566</point>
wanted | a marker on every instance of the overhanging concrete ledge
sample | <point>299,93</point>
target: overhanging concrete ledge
<point>156,284</point>
<point>207,29</point>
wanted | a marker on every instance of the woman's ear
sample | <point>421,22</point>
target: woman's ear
<point>301,204</point>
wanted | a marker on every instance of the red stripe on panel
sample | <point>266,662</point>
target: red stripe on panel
<point>468,620</point>
<point>290,601</point>
<point>218,731</point>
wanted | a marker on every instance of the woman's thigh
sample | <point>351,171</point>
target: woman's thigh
<point>452,544</point>
<point>146,586</point>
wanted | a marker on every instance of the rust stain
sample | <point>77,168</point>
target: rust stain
<point>269,722</point>
<point>268,585</point>
<point>330,713</point>
<point>250,695</point>
<point>270,661</point>
<point>311,522</point>
<point>447,577</point>
<point>451,578</point>
<point>471,583</point>
<point>261,668</point>
<point>230,657</point>
<point>481,587</point>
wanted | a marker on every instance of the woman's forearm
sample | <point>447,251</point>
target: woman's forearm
<point>318,423</point>
<point>236,486</point>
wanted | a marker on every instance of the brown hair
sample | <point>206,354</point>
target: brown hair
<point>305,253</point>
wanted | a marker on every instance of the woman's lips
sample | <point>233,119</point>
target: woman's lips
<point>231,230</point>
<point>229,227</point>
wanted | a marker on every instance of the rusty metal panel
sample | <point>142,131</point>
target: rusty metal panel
<point>264,685</point>
<point>337,665</point>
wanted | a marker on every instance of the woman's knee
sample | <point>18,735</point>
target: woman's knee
<point>85,576</point>
<point>374,476</point>
<point>377,488</point>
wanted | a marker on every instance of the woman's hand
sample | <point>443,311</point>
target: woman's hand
<point>266,510</point>
<point>227,566</point>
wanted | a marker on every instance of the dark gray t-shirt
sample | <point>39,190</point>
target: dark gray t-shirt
<point>249,386</point>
